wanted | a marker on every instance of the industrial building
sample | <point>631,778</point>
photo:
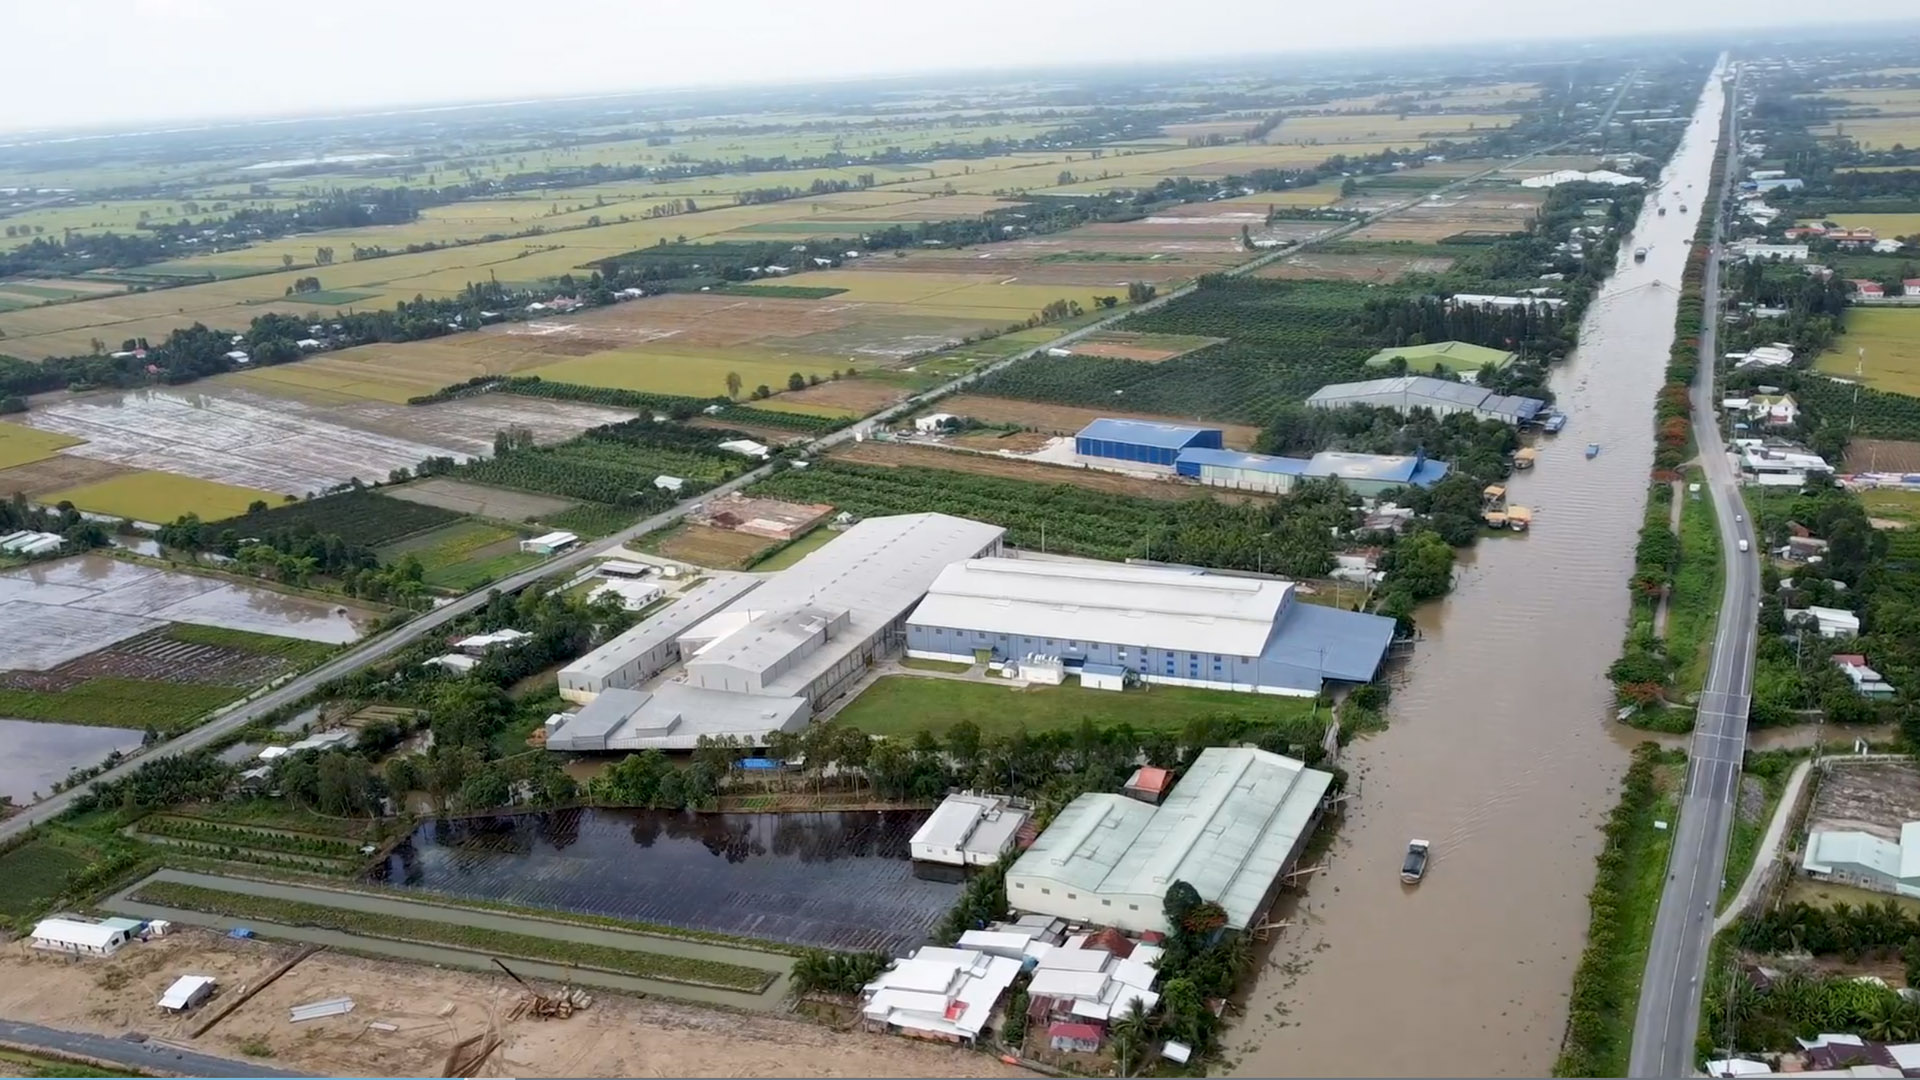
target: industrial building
<point>83,937</point>
<point>1366,475</point>
<point>1142,442</point>
<point>760,654</point>
<point>1861,858</point>
<point>1232,828</point>
<point>1165,625</point>
<point>1423,392</point>
<point>672,716</point>
<point>652,645</point>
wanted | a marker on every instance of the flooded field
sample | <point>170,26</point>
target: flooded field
<point>228,434</point>
<point>1502,752</point>
<point>54,612</point>
<point>835,880</point>
<point>39,754</point>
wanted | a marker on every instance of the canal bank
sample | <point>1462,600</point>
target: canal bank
<point>1502,751</point>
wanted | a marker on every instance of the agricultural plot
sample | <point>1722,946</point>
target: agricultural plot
<point>238,438</point>
<point>165,678</point>
<point>252,844</point>
<point>1286,340</point>
<point>362,518</point>
<point>1891,338</point>
<point>834,880</point>
<point>499,504</point>
<point>616,465</point>
<point>1873,132</point>
<point>1883,225</point>
<point>462,555</point>
<point>39,869</point>
<point>51,613</point>
<point>1148,348</point>
<point>159,497</point>
<point>903,455</point>
<point>20,445</point>
<point>704,545</point>
<point>1055,419</point>
<point>1376,263</point>
<point>1882,455</point>
<point>1477,211</point>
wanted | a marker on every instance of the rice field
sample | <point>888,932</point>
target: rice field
<point>1883,225</point>
<point>1891,338</point>
<point>160,497</point>
<point>1874,132</point>
<point>20,444</point>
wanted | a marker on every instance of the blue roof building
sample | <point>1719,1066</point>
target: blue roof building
<point>1142,442</point>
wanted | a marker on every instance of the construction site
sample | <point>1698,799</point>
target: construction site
<point>301,1008</point>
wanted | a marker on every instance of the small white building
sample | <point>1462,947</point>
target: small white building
<point>238,356</point>
<point>480,644</point>
<point>550,543</point>
<point>938,993</point>
<point>186,992</point>
<point>633,594</point>
<point>80,937</point>
<point>1829,622</point>
<point>307,344</point>
<point>967,830</point>
<point>1753,252</point>
<point>745,447</point>
<point>452,662</point>
<point>669,483</point>
<point>932,422</point>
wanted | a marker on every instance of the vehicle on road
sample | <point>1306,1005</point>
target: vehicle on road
<point>1743,545</point>
<point>1415,866</point>
<point>1593,449</point>
<point>1739,517</point>
<point>1639,254</point>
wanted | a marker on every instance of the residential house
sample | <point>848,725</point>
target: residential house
<point>1866,682</point>
<point>938,993</point>
<point>1079,1038</point>
<point>1867,290</point>
<point>1757,252</point>
<point>1910,286</point>
<point>1829,622</point>
<point>1804,549</point>
<point>1775,410</point>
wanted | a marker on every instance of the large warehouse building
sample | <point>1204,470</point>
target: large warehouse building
<point>1366,475</point>
<point>1174,626</point>
<point>1232,828</point>
<point>1142,442</point>
<point>761,655</point>
<point>1422,392</point>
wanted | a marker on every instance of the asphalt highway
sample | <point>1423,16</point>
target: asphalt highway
<point>146,1056</point>
<point>1669,1011</point>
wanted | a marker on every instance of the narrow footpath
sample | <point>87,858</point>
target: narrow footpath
<point>1769,848</point>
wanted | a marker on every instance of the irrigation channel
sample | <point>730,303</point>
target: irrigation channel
<point>1502,750</point>
<point>768,999</point>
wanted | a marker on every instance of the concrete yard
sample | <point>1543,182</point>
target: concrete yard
<point>1872,797</point>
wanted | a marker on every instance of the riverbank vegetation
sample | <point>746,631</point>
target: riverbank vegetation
<point>1625,895</point>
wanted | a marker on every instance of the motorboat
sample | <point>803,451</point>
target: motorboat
<point>1639,254</point>
<point>1415,866</point>
<point>1554,423</point>
<point>1593,449</point>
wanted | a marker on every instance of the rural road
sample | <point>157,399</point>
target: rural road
<point>1669,1010</point>
<point>145,1057</point>
<point>1769,847</point>
<point>374,649</point>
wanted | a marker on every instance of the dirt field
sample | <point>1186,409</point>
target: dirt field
<point>57,473</point>
<point>479,499</point>
<point>1873,797</point>
<point>1863,455</point>
<point>1068,419</point>
<point>934,457</point>
<point>1476,210</point>
<point>849,397</point>
<point>1311,265</point>
<point>432,1009</point>
<point>704,545</point>
<point>1147,348</point>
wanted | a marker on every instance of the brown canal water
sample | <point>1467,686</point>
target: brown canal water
<point>1502,751</point>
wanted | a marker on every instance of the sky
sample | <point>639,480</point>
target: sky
<point>117,62</point>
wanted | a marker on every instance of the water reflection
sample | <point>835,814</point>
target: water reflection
<point>840,880</point>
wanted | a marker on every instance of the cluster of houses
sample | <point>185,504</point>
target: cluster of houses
<point>1828,1055</point>
<point>1775,462</point>
<point>1763,409</point>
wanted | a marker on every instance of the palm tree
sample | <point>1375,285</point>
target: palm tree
<point>1129,1034</point>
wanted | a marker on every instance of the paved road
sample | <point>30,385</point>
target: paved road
<point>374,649</point>
<point>1669,1011</point>
<point>146,1057</point>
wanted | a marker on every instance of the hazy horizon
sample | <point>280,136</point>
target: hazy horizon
<point>358,56</point>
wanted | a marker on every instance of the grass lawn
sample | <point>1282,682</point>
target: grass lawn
<point>796,550</point>
<point>463,555</point>
<point>1694,606</point>
<point>704,545</point>
<point>20,444</point>
<point>297,651</point>
<point>36,871</point>
<point>17,1063</point>
<point>950,666</point>
<point>1891,337</point>
<point>160,497</point>
<point>905,705</point>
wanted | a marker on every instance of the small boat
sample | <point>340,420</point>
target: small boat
<point>1639,254</point>
<point>1554,423</point>
<point>1415,867</point>
<point>1593,449</point>
<point>1663,211</point>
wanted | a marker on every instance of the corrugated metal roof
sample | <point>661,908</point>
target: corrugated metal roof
<point>1135,605</point>
<point>1144,433</point>
<point>699,601</point>
<point>1227,828</point>
<point>1392,469</point>
<point>1414,391</point>
<point>1235,459</point>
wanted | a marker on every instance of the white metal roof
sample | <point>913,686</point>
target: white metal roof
<point>181,993</point>
<point>970,823</point>
<point>1227,828</point>
<point>1060,983</point>
<point>699,601</point>
<point>86,935</point>
<point>1137,605</point>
